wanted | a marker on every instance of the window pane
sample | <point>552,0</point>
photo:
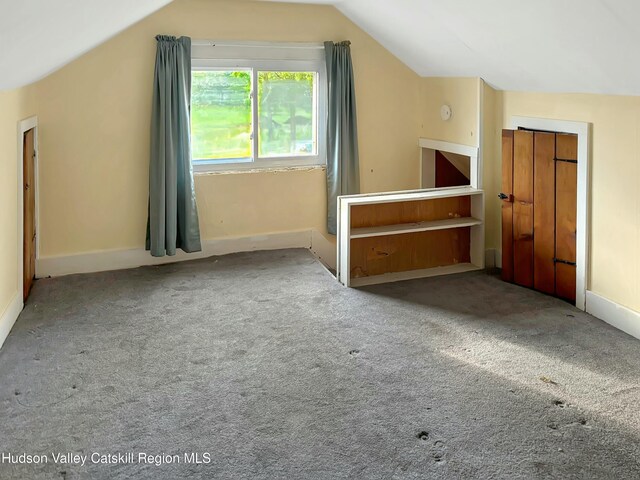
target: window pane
<point>286,111</point>
<point>220,115</point>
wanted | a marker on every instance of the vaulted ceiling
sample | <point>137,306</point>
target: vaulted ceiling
<point>538,45</point>
<point>39,36</point>
<point>586,46</point>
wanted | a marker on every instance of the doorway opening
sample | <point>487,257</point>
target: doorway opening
<point>27,205</point>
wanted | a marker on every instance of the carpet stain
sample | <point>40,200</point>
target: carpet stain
<point>439,451</point>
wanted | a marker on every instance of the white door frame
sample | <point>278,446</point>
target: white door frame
<point>25,126</point>
<point>583,130</point>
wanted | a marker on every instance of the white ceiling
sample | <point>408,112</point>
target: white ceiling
<point>586,46</point>
<point>533,45</point>
<point>39,36</point>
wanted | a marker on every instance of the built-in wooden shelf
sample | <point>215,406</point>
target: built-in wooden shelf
<point>393,236</point>
<point>414,227</point>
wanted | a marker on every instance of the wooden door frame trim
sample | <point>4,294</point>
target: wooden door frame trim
<point>23,127</point>
<point>583,130</point>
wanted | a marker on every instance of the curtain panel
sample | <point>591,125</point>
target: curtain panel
<point>343,177</point>
<point>173,214</point>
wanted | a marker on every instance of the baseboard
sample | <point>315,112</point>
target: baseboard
<point>614,314</point>
<point>324,249</point>
<point>120,259</point>
<point>490,258</point>
<point>10,316</point>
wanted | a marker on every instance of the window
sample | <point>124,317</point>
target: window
<point>265,112</point>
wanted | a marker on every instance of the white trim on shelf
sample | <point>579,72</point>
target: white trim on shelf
<point>343,250</point>
<point>414,227</point>
<point>409,195</point>
<point>583,130</point>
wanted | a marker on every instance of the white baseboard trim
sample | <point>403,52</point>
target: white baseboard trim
<point>622,318</point>
<point>10,316</point>
<point>121,259</point>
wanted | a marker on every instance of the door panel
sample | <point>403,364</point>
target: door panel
<point>566,207</point>
<point>566,281</point>
<point>29,203</point>
<point>507,206</point>
<point>523,208</point>
<point>566,146</point>
<point>544,212</point>
<point>566,181</point>
<point>539,175</point>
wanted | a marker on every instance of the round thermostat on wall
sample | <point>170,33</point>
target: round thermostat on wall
<point>445,112</point>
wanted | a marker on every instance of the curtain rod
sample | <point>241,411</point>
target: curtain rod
<point>227,43</point>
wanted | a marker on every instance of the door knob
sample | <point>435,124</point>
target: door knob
<point>504,196</point>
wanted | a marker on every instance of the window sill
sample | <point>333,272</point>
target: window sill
<point>274,169</point>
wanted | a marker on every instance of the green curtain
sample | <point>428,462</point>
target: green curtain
<point>343,176</point>
<point>173,215</point>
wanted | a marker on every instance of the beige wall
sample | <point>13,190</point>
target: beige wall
<point>461,94</point>
<point>94,144</point>
<point>615,182</point>
<point>15,105</point>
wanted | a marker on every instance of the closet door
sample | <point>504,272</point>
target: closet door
<point>539,194</point>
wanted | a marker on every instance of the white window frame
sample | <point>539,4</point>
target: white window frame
<point>212,56</point>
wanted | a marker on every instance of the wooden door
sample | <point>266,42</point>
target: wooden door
<point>539,193</point>
<point>29,207</point>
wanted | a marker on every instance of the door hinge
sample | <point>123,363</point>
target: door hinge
<point>565,160</point>
<point>566,262</point>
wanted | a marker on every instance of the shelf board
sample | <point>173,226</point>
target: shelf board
<point>401,228</point>
<point>408,195</point>
<point>412,274</point>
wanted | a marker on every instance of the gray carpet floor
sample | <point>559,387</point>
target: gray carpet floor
<point>266,364</point>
